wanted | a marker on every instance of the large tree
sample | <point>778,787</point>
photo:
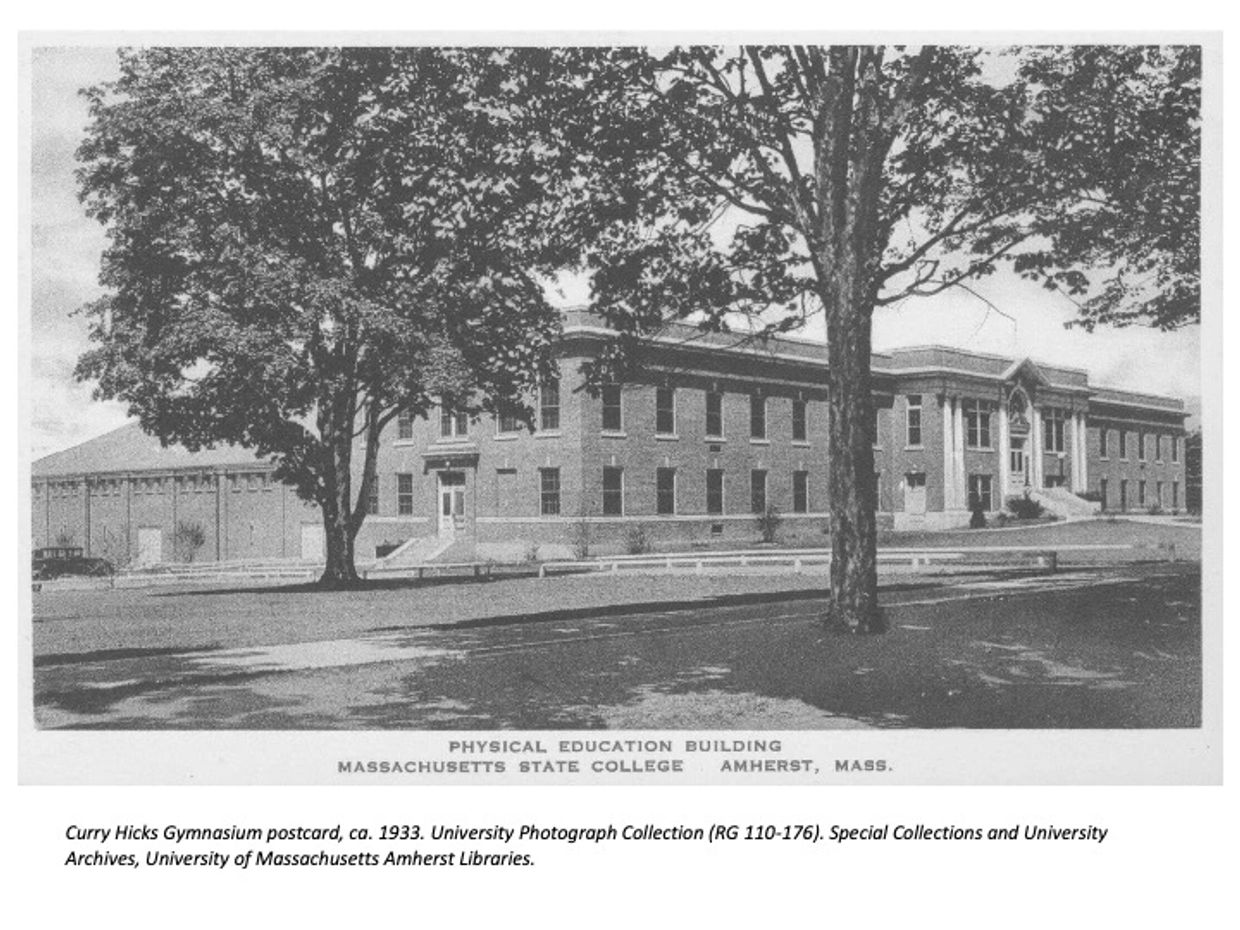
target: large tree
<point>305,241</point>
<point>776,182</point>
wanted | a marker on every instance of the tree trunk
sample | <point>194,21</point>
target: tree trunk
<point>851,478</point>
<point>338,525</point>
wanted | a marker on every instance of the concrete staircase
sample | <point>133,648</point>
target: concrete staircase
<point>1066,505</point>
<point>414,552</point>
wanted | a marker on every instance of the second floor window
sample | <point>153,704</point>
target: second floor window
<point>913,437</point>
<point>1141,447</point>
<point>665,411</point>
<point>757,416</point>
<point>613,411</point>
<point>508,422</point>
<point>404,425</point>
<point>1102,442</point>
<point>1123,444</point>
<point>549,406</point>
<point>800,431</point>
<point>1175,448</point>
<point>452,425</point>
<point>977,424</point>
<point>1157,447</point>
<point>714,414</point>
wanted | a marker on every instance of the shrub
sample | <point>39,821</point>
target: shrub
<point>637,540</point>
<point>187,539</point>
<point>581,538</point>
<point>64,539</point>
<point>530,553</point>
<point>1155,511</point>
<point>112,548</point>
<point>769,522</point>
<point>1025,508</point>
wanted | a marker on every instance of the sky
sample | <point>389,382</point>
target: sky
<point>65,264</point>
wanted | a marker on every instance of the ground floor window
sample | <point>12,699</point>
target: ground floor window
<point>613,492</point>
<point>1175,494</point>
<point>980,487</point>
<point>404,494</point>
<point>714,490</point>
<point>549,491</point>
<point>665,490</point>
<point>1102,493</point>
<point>757,490</point>
<point>800,492</point>
<point>1158,493</point>
<point>1123,493</point>
<point>1141,493</point>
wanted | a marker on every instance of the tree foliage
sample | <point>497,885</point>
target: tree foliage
<point>305,241</point>
<point>773,183</point>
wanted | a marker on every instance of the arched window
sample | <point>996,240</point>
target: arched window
<point>1018,408</point>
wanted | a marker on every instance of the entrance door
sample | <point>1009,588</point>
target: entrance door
<point>915,493</point>
<point>1018,467</point>
<point>451,502</point>
<point>312,539</point>
<point>150,545</point>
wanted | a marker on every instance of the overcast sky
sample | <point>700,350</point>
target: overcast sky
<point>65,264</point>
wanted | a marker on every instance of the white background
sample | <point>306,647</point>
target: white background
<point>1165,862</point>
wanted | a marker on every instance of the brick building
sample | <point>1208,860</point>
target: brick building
<point>713,432</point>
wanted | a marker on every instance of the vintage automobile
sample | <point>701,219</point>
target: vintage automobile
<point>57,561</point>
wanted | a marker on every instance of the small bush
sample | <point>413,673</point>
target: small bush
<point>581,537</point>
<point>112,548</point>
<point>1155,511</point>
<point>531,552</point>
<point>637,540</point>
<point>769,522</point>
<point>1025,508</point>
<point>187,539</point>
<point>64,540</point>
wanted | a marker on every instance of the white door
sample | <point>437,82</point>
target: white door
<point>451,502</point>
<point>312,542</point>
<point>150,545</point>
<point>915,493</point>
<point>1018,468</point>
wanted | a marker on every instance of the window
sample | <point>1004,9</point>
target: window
<point>714,490</point>
<point>714,414</point>
<point>1175,448</point>
<point>665,490</point>
<point>757,490</point>
<point>404,424</point>
<point>665,411</point>
<point>799,430</point>
<point>613,413</point>
<point>1141,447</point>
<point>977,424</point>
<point>613,491</point>
<point>757,417</point>
<point>549,407</point>
<point>980,487</point>
<point>1123,444</point>
<point>1175,494</point>
<point>1157,447</point>
<point>452,425</point>
<point>913,428</point>
<point>508,422</point>
<point>404,494</point>
<point>372,499</point>
<point>1123,493</point>
<point>800,492</point>
<point>1052,430</point>
<point>1158,493</point>
<point>878,429</point>
<point>1102,442</point>
<point>1141,493</point>
<point>549,491</point>
<point>1102,493</point>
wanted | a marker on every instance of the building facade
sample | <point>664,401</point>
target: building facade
<point>714,432</point>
